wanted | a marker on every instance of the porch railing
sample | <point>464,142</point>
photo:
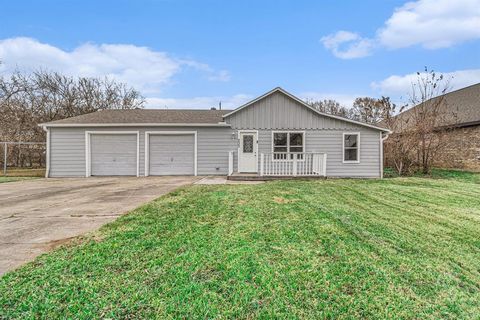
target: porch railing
<point>293,164</point>
<point>230,163</point>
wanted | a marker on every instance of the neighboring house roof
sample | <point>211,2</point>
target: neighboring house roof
<point>303,103</point>
<point>143,117</point>
<point>461,108</point>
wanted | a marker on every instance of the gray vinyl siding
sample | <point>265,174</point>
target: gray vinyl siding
<point>274,112</point>
<point>330,142</point>
<point>67,149</point>
<point>67,152</point>
<point>279,112</point>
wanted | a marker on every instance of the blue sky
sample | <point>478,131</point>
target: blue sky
<point>193,53</point>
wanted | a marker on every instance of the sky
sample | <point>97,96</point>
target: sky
<point>193,54</point>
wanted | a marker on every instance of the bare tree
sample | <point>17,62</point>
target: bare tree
<point>331,107</point>
<point>420,133</point>
<point>400,146</point>
<point>371,110</point>
<point>428,116</point>
<point>42,96</point>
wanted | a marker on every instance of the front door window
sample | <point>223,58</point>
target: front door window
<point>248,144</point>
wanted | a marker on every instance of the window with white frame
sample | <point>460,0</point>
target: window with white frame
<point>351,147</point>
<point>285,143</point>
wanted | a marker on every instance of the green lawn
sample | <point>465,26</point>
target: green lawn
<point>393,248</point>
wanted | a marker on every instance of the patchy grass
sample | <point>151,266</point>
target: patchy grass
<point>439,173</point>
<point>393,248</point>
<point>462,175</point>
<point>12,179</point>
<point>26,172</point>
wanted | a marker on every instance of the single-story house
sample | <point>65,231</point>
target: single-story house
<point>276,134</point>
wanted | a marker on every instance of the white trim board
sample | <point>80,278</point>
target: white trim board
<point>303,103</point>
<point>147,151</point>
<point>358,148</point>
<point>47,160</point>
<point>88,155</point>
<point>382,139</point>
<point>139,124</point>
<point>381,155</point>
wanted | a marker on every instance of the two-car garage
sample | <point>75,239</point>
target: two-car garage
<point>118,153</point>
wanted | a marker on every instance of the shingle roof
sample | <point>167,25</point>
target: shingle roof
<point>144,116</point>
<point>465,104</point>
<point>461,107</point>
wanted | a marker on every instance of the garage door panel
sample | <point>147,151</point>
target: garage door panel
<point>113,154</point>
<point>171,154</point>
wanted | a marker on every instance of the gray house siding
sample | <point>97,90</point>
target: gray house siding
<point>67,152</point>
<point>330,142</point>
<point>67,149</point>
<point>280,112</point>
<point>322,134</point>
<point>275,111</point>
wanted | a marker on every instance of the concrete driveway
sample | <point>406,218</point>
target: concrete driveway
<point>37,215</point>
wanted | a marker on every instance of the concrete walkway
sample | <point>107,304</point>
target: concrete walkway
<point>37,215</point>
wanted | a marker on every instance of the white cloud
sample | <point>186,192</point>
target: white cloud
<point>212,75</point>
<point>401,85</point>
<point>198,102</point>
<point>222,75</point>
<point>432,24</point>
<point>347,45</point>
<point>145,69</point>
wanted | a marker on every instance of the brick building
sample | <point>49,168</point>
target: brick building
<point>460,116</point>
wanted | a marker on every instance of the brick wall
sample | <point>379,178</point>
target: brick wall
<point>463,151</point>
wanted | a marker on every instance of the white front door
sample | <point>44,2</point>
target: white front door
<point>247,155</point>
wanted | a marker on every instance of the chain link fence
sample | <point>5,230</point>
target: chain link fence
<point>23,159</point>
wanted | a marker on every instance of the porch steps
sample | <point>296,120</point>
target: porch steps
<point>256,177</point>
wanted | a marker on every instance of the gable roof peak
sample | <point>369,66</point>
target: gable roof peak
<point>304,104</point>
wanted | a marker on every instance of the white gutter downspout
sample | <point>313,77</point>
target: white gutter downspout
<point>382,139</point>
<point>47,160</point>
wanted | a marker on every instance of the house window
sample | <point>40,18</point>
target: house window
<point>248,143</point>
<point>288,142</point>
<point>351,147</point>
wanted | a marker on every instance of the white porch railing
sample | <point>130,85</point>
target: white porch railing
<point>293,164</point>
<point>230,163</point>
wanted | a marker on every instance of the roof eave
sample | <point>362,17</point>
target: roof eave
<point>77,125</point>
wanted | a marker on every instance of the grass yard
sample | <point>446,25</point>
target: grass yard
<point>26,172</point>
<point>393,248</point>
<point>12,179</point>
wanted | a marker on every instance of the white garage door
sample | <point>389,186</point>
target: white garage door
<point>171,154</point>
<point>113,154</point>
